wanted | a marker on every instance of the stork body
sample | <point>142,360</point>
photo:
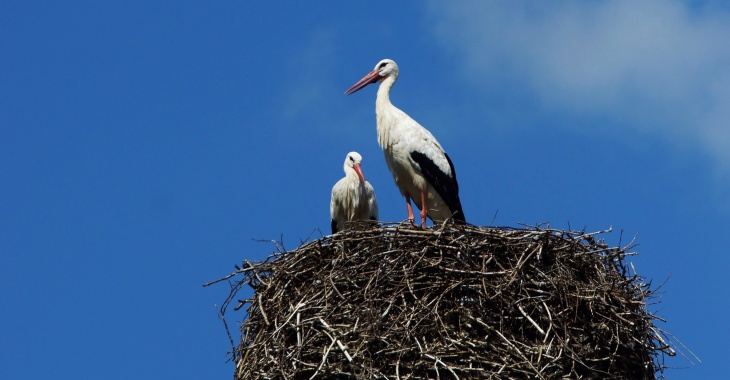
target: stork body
<point>353,198</point>
<point>421,168</point>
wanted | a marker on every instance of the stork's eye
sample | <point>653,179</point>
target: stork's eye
<point>351,159</point>
<point>382,65</point>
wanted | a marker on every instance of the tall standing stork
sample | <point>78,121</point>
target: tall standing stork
<point>353,198</point>
<point>421,168</point>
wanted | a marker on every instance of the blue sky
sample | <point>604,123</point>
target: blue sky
<point>145,146</point>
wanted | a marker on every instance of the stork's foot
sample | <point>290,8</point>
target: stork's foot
<point>411,218</point>
<point>412,223</point>
<point>408,223</point>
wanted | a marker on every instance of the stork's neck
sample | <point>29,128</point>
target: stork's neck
<point>385,111</point>
<point>383,98</point>
<point>351,174</point>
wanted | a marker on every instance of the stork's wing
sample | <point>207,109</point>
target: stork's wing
<point>336,206</point>
<point>372,202</point>
<point>444,183</point>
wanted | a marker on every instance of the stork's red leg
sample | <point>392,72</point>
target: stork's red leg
<point>410,210</point>
<point>424,211</point>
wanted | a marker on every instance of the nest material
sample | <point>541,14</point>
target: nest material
<point>449,302</point>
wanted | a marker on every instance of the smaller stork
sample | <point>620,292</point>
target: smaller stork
<point>353,198</point>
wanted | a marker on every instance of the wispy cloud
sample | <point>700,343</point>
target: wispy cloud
<point>311,94</point>
<point>303,92</point>
<point>662,67</point>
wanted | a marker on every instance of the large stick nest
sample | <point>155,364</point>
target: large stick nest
<point>450,302</point>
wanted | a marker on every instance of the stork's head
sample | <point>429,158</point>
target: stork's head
<point>352,164</point>
<point>383,70</point>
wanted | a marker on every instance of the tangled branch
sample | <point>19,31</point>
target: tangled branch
<point>450,302</point>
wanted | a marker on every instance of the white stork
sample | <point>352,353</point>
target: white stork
<point>420,167</point>
<point>353,198</point>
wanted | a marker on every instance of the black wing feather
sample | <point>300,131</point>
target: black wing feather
<point>334,227</point>
<point>446,186</point>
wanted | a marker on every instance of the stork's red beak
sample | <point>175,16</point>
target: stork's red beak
<point>371,77</point>
<point>358,170</point>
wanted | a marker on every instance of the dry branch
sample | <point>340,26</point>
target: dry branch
<point>451,302</point>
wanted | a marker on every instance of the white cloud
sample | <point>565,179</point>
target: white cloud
<point>659,66</point>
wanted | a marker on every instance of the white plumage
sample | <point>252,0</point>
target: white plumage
<point>421,168</point>
<point>353,198</point>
